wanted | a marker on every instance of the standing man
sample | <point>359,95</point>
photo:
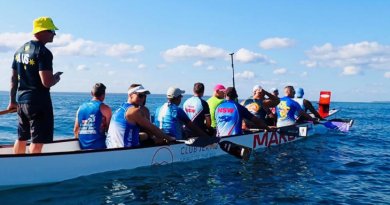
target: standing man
<point>258,105</point>
<point>170,118</point>
<point>198,110</point>
<point>93,120</point>
<point>33,68</point>
<point>214,101</point>
<point>128,119</point>
<point>305,105</point>
<point>229,115</point>
<point>287,108</point>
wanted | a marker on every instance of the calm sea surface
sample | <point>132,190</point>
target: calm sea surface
<point>335,168</point>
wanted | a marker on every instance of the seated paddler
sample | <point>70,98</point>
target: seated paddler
<point>128,119</point>
<point>305,105</point>
<point>288,107</point>
<point>170,118</point>
<point>229,115</point>
<point>93,120</point>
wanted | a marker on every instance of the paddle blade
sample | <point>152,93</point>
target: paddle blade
<point>239,151</point>
<point>293,131</point>
<point>341,126</point>
<point>203,141</point>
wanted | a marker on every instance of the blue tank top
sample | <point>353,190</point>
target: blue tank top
<point>286,111</point>
<point>170,119</point>
<point>300,102</point>
<point>122,133</point>
<point>228,119</point>
<point>90,119</point>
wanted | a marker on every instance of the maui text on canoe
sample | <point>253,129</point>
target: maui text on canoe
<point>274,138</point>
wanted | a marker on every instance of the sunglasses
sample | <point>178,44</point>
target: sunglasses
<point>221,91</point>
<point>141,95</point>
<point>52,31</point>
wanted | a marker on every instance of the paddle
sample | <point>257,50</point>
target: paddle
<point>291,130</point>
<point>237,150</point>
<point>3,112</point>
<point>337,124</point>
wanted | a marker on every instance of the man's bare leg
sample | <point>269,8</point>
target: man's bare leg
<point>20,147</point>
<point>36,147</point>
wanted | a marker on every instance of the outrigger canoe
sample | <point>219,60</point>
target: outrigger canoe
<point>63,160</point>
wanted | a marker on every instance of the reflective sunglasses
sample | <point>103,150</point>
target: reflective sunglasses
<point>141,95</point>
<point>52,31</point>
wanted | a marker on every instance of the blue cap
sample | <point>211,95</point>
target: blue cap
<point>299,93</point>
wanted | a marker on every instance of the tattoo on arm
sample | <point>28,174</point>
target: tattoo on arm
<point>14,86</point>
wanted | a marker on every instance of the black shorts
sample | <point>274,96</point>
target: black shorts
<point>36,122</point>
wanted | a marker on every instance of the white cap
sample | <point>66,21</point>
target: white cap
<point>138,89</point>
<point>256,87</point>
<point>174,92</point>
<point>274,90</point>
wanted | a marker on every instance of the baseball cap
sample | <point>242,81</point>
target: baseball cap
<point>174,92</point>
<point>43,24</point>
<point>274,90</point>
<point>256,87</point>
<point>231,92</point>
<point>299,93</point>
<point>219,87</point>
<point>138,89</point>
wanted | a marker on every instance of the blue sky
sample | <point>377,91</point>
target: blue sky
<point>337,46</point>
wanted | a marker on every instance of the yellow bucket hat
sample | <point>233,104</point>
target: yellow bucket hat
<point>43,24</point>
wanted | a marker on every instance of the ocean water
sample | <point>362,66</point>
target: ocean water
<point>335,168</point>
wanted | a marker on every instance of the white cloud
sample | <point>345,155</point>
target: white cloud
<point>161,66</point>
<point>211,68</point>
<point>266,82</point>
<point>364,55</point>
<point>245,75</point>
<point>304,74</point>
<point>111,72</point>
<point>82,67</point>
<point>130,60</point>
<point>142,66</point>
<point>387,75</point>
<point>246,56</point>
<point>310,64</point>
<point>13,41</point>
<point>204,52</point>
<point>66,45</point>
<point>199,63</point>
<point>280,71</point>
<point>350,70</point>
<point>273,43</point>
<point>288,84</point>
<point>123,49</point>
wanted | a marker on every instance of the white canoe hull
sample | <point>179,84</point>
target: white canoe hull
<point>63,160</point>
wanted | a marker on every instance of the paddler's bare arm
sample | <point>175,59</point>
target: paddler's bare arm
<point>306,116</point>
<point>260,123</point>
<point>208,121</point>
<point>310,107</point>
<point>135,115</point>
<point>107,113</point>
<point>48,79</point>
<point>272,100</point>
<point>13,90</point>
<point>196,129</point>
<point>76,125</point>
